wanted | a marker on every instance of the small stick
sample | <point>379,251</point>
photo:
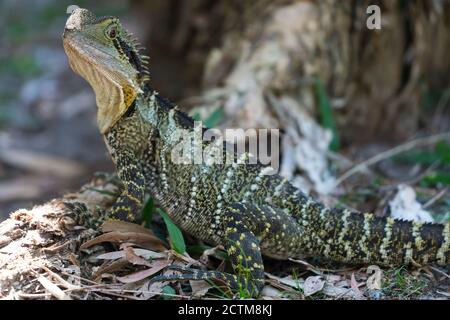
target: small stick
<point>53,289</point>
<point>392,152</point>
<point>439,271</point>
<point>63,282</point>
<point>34,295</point>
<point>435,198</point>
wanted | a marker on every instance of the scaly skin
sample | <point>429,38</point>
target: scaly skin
<point>235,205</point>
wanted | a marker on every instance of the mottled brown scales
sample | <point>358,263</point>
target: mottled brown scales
<point>234,205</point>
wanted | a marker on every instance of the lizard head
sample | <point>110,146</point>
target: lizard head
<point>107,56</point>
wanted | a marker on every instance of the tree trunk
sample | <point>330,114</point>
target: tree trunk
<point>375,79</point>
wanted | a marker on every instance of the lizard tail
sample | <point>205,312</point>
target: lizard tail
<point>346,236</point>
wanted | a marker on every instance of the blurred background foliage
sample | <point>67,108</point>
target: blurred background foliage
<point>311,60</point>
<point>48,140</point>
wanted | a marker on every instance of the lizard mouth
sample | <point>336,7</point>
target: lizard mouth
<point>85,59</point>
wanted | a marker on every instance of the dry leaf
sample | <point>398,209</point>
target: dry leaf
<point>155,267</point>
<point>332,278</point>
<point>354,285</point>
<point>134,259</point>
<point>185,258</point>
<point>289,281</point>
<point>199,288</point>
<point>142,239</point>
<point>146,254</point>
<point>207,253</point>
<point>112,267</point>
<point>313,285</point>
<point>338,292</point>
<point>270,293</point>
<point>150,289</point>
<point>123,226</point>
<point>374,281</point>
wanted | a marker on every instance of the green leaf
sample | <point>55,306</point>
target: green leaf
<point>441,153</point>
<point>196,116</point>
<point>443,150</point>
<point>326,114</point>
<point>214,118</point>
<point>436,179</point>
<point>426,158</point>
<point>169,292</point>
<point>175,235</point>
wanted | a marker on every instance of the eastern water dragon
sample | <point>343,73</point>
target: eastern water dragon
<point>237,205</point>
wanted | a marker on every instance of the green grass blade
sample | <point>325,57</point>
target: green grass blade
<point>326,114</point>
<point>214,118</point>
<point>175,235</point>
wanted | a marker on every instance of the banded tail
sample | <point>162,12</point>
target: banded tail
<point>346,236</point>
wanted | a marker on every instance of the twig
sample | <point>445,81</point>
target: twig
<point>435,198</point>
<point>81,278</point>
<point>53,289</point>
<point>308,266</point>
<point>54,249</point>
<point>34,295</point>
<point>413,181</point>
<point>433,166</point>
<point>61,281</point>
<point>139,291</point>
<point>392,152</point>
<point>443,293</point>
<point>346,162</point>
<point>439,271</point>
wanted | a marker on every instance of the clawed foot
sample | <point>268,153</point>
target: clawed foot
<point>221,280</point>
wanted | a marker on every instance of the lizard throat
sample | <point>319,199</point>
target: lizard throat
<point>113,95</point>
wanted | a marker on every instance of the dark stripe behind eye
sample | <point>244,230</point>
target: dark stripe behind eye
<point>132,56</point>
<point>117,46</point>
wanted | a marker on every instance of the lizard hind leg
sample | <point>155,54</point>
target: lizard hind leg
<point>221,280</point>
<point>243,248</point>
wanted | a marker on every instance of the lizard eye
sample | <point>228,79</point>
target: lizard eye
<point>112,32</point>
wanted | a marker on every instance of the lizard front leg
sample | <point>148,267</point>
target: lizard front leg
<point>130,202</point>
